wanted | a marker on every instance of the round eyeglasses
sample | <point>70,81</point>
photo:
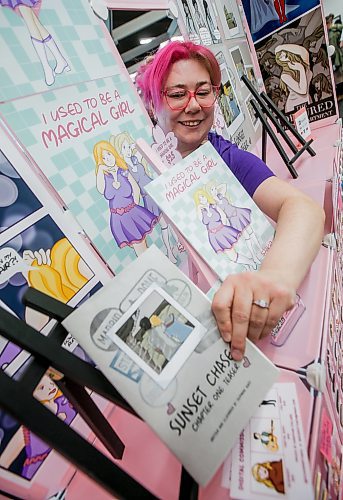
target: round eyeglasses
<point>178,98</point>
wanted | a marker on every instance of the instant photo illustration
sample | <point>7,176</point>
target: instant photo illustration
<point>230,18</point>
<point>158,334</point>
<point>238,62</point>
<point>227,100</point>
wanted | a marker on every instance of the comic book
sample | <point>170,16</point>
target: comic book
<point>39,247</point>
<point>151,332</point>
<point>208,205</point>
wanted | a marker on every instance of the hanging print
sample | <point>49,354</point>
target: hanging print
<point>266,16</point>
<point>295,68</point>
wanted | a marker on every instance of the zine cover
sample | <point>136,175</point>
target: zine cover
<point>270,459</point>
<point>83,140</point>
<point>39,248</point>
<point>152,333</point>
<point>48,44</point>
<point>215,214</point>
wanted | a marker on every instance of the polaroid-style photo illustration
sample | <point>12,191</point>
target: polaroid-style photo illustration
<point>230,18</point>
<point>251,112</point>
<point>158,334</point>
<point>228,101</point>
<point>238,62</point>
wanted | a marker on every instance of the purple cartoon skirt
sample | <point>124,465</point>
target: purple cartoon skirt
<point>12,4</point>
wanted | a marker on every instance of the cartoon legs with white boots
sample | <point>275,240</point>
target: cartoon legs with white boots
<point>43,42</point>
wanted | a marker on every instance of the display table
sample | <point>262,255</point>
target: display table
<point>150,462</point>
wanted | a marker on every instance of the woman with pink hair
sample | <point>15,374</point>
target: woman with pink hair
<point>179,87</point>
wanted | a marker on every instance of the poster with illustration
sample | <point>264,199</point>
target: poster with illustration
<point>227,100</point>
<point>47,44</point>
<point>39,248</point>
<point>266,16</point>
<point>295,68</point>
<point>83,140</point>
<point>230,18</point>
<point>270,459</point>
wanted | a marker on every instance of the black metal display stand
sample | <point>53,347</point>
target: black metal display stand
<point>265,108</point>
<point>73,376</point>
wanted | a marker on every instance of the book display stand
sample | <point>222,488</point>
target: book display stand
<point>265,108</point>
<point>72,375</point>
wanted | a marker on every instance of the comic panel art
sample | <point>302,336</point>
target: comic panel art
<point>251,112</point>
<point>48,44</point>
<point>295,68</point>
<point>200,21</point>
<point>266,16</point>
<point>228,103</point>
<point>230,18</point>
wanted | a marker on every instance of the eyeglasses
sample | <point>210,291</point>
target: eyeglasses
<point>178,98</point>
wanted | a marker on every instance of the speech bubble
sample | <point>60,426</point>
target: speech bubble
<point>11,263</point>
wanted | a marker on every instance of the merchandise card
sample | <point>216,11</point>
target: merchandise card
<point>270,458</point>
<point>204,200</point>
<point>151,332</point>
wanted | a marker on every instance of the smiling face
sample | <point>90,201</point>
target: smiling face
<point>192,124</point>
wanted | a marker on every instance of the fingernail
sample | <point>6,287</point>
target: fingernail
<point>237,355</point>
<point>226,337</point>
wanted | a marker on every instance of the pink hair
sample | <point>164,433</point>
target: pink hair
<point>154,72</point>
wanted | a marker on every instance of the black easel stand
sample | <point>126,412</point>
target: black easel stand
<point>73,375</point>
<point>265,108</point>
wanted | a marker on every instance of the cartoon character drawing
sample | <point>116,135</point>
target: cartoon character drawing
<point>130,223</point>
<point>270,474</point>
<point>227,89</point>
<point>221,237</point>
<point>262,11</point>
<point>237,217</point>
<point>189,19</point>
<point>36,450</point>
<point>197,15</point>
<point>321,87</point>
<point>43,42</point>
<point>296,74</point>
<point>268,439</point>
<point>213,29</point>
<point>126,147</point>
<point>59,272</point>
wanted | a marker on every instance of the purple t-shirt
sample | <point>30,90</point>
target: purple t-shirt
<point>250,170</point>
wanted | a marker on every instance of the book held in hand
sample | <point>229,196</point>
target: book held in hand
<point>151,331</point>
<point>210,207</point>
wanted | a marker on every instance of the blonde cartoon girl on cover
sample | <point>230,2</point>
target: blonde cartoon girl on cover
<point>129,222</point>
<point>236,217</point>
<point>42,41</point>
<point>126,147</point>
<point>296,75</point>
<point>221,237</point>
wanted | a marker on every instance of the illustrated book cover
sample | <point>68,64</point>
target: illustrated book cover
<point>208,205</point>
<point>151,331</point>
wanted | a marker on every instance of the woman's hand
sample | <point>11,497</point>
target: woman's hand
<point>238,318</point>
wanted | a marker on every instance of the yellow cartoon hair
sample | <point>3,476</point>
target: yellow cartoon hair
<point>62,279</point>
<point>256,473</point>
<point>202,192</point>
<point>155,320</point>
<point>118,140</point>
<point>102,146</point>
